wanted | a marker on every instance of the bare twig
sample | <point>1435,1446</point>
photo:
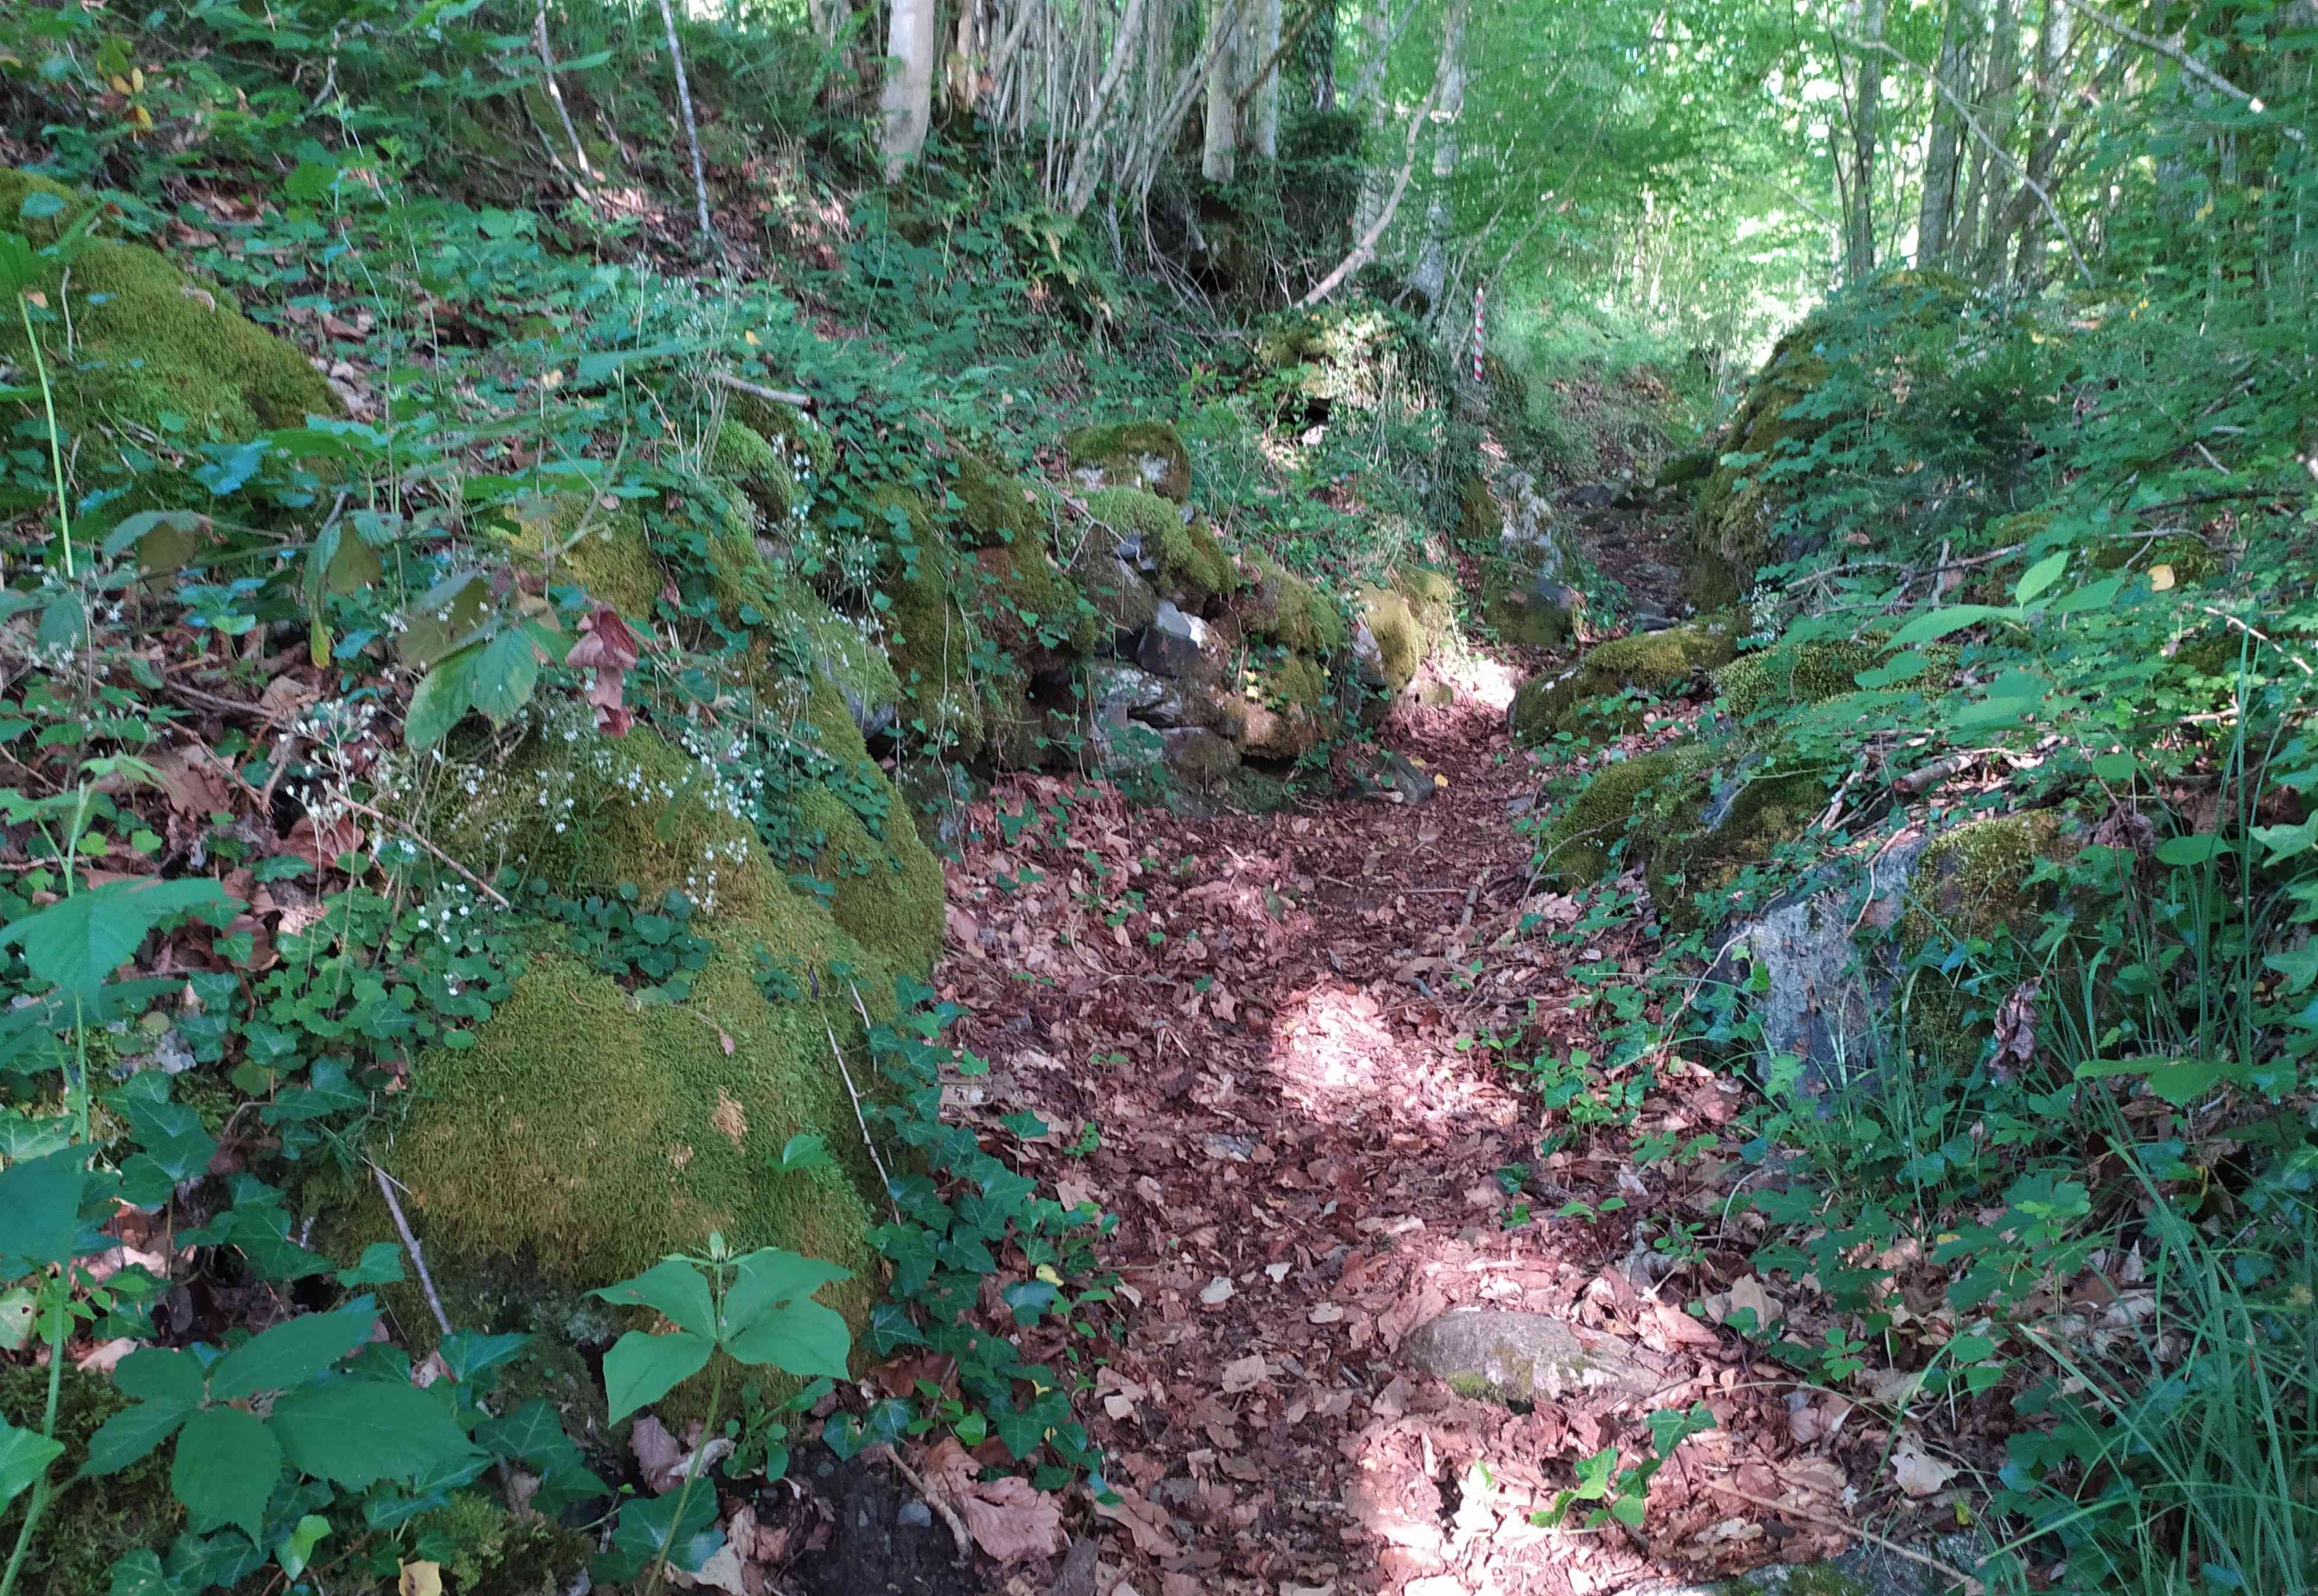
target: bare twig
<point>957,1530</point>
<point>410,1245</point>
<point>555,93</point>
<point>2181,58</point>
<point>2257,634</point>
<point>777,396</point>
<point>412,833</point>
<point>1364,250</point>
<point>1971,1586</point>
<point>861,1118</point>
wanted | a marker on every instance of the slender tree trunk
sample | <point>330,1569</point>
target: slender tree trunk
<point>1866,115</point>
<point>2053,40</point>
<point>1364,244</point>
<point>1263,129</point>
<point>708,234</point>
<point>1430,277</point>
<point>1935,217</point>
<point>2000,113</point>
<point>913,44</point>
<point>1219,154</point>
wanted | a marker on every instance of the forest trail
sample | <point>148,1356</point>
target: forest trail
<point>1287,1035</point>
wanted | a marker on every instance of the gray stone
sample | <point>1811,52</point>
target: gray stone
<point>915,1515</point>
<point>1368,659</point>
<point>1591,496</point>
<point>1426,692</point>
<point>1396,779</point>
<point>1521,1356</point>
<point>1173,645</point>
<point>1197,755</point>
<point>1823,994</point>
<point>1862,1570</point>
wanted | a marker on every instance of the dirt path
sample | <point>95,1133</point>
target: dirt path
<point>1279,1028</point>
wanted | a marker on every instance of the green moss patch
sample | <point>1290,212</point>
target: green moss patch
<point>1793,673</point>
<point>1032,607</point>
<point>1638,796</point>
<point>90,1523</point>
<point>992,507</point>
<point>1285,607</point>
<point>1145,454</point>
<point>1652,662</point>
<point>572,539</point>
<point>500,1554</point>
<point>1972,885</point>
<point>930,640</point>
<point>744,457</point>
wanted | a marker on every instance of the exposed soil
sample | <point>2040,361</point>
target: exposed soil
<point>1292,1033</point>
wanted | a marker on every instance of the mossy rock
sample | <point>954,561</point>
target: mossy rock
<point>571,538</point>
<point>1972,885</point>
<point>1145,454</point>
<point>2186,557</point>
<point>1793,673</point>
<point>887,886</point>
<point>1652,662</point>
<point>1737,505</point>
<point>931,641</point>
<point>793,434</point>
<point>746,458</point>
<point>1286,608</point>
<point>993,508</point>
<point>1480,518</point>
<point>90,1523</point>
<point>1033,609</point>
<point>1638,797</point>
<point>498,1554</point>
<point>1750,810</point>
<point>148,341</point>
<point>1680,471</point>
<point>1190,567</point>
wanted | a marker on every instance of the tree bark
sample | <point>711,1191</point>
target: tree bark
<point>1952,79</point>
<point>1363,249</point>
<point>906,100</point>
<point>1866,115</point>
<point>2053,40</point>
<point>1219,152</point>
<point>708,234</point>
<point>1264,132</point>
<point>2000,113</point>
<point>1430,277</point>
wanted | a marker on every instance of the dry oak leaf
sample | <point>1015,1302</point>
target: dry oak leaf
<point>1146,1521</point>
<point>1919,1472</point>
<point>658,1454</point>
<point>1010,1519</point>
<point>1244,1374</point>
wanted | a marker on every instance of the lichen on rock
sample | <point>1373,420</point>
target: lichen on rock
<point>1148,455</point>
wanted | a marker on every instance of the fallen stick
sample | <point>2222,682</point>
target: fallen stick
<point>777,396</point>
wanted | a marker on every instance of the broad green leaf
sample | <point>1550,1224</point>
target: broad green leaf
<point>2195,850</point>
<point>505,676</point>
<point>159,1374</point>
<point>2040,576</point>
<point>640,1369</point>
<point>468,1353</point>
<point>2287,842</point>
<point>358,1433</point>
<point>803,1150</point>
<point>442,699</point>
<point>298,1546</point>
<point>130,1434</point>
<point>141,1573</point>
<point>2299,967</point>
<point>224,1470</point>
<point>24,1456</point>
<point>40,1210</point>
<point>801,1338</point>
<point>767,1276</point>
<point>1935,624</point>
<point>2092,595</point>
<point>675,1290</point>
<point>76,942</point>
<point>290,1354</point>
<point>380,1264</point>
<point>2179,1082</point>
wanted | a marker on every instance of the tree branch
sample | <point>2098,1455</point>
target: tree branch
<point>2179,57</point>
<point>1364,251</point>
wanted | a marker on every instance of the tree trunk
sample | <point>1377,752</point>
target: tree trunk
<point>913,41</point>
<point>2000,113</point>
<point>1263,130</point>
<point>1220,155</point>
<point>2053,43</point>
<point>1936,219</point>
<point>1430,277</point>
<point>1866,113</point>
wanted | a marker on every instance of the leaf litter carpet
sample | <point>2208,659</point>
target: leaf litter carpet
<point>1275,1047</point>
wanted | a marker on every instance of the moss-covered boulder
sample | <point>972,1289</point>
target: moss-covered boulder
<point>1282,607</point>
<point>571,538</point>
<point>1740,500</point>
<point>91,1522</point>
<point>987,508</point>
<point>1793,673</point>
<point>777,480</point>
<point>584,1132</point>
<point>1178,552</point>
<point>1636,798</point>
<point>1030,608</point>
<point>1149,455</point>
<point>1401,625</point>
<point>930,637</point>
<point>146,342</point>
<point>796,437</point>
<point>1655,663</point>
<point>1972,886</point>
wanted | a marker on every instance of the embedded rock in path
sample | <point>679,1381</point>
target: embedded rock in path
<point>1523,1357</point>
<point>1396,778</point>
<point>1862,1570</point>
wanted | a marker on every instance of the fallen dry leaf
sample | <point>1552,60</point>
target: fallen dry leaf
<point>1244,1374</point>
<point>1919,1472</point>
<point>1010,1519</point>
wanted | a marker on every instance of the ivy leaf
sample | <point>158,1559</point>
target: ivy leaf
<point>141,1573</point>
<point>642,1369</point>
<point>358,1433</point>
<point>224,1471</point>
<point>673,1290</point>
<point>650,1527</point>
<point>290,1354</point>
<point>467,1353</point>
<point>531,1434</point>
<point>380,1264</point>
<point>24,1456</point>
<point>76,942</point>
